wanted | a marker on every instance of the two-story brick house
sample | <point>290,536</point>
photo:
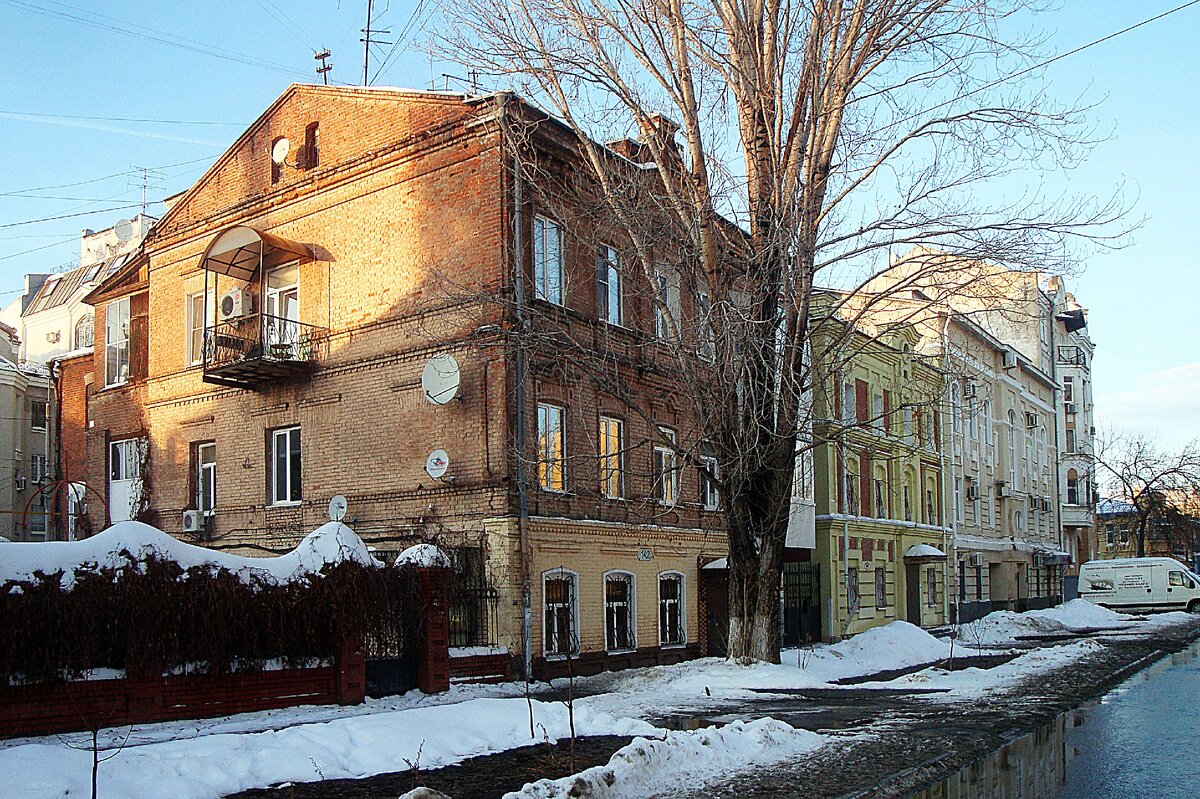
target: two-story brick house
<point>263,351</point>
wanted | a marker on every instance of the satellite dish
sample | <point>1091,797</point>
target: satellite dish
<point>337,508</point>
<point>123,230</point>
<point>280,150</point>
<point>441,379</point>
<point>437,463</point>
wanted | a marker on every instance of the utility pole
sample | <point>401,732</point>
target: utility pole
<point>368,41</point>
<point>323,70</point>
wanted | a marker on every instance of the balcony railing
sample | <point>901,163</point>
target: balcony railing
<point>1070,356</point>
<point>260,349</point>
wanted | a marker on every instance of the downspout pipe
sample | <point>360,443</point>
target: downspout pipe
<point>948,443</point>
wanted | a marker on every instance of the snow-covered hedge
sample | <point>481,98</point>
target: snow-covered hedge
<point>135,598</point>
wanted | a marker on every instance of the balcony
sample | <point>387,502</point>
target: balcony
<point>1076,516</point>
<point>1071,356</point>
<point>260,349</point>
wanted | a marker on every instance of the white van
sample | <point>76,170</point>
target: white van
<point>1140,584</point>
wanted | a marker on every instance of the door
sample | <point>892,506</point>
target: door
<point>801,603</point>
<point>281,311</point>
<point>912,593</point>
<point>715,583</point>
<point>76,509</point>
<point>124,477</point>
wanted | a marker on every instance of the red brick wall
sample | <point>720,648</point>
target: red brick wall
<point>74,379</point>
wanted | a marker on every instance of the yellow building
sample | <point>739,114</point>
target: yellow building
<point>881,534</point>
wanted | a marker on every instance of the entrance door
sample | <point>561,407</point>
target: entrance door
<point>124,477</point>
<point>912,592</point>
<point>801,603</point>
<point>715,583</point>
<point>76,509</point>
<point>281,311</point>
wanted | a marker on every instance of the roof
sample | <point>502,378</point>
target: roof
<point>59,289</point>
<point>1111,506</point>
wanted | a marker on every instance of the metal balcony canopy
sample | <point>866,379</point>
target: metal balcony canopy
<point>238,251</point>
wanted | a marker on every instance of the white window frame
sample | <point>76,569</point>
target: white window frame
<point>39,466</point>
<point>195,344</point>
<point>210,507</point>
<point>681,604</point>
<point>630,580</point>
<point>880,580</point>
<point>849,403</point>
<point>665,469</point>
<point>573,607</point>
<point>549,273</point>
<point>86,324</point>
<point>610,300</point>
<point>706,347</point>
<point>33,425</point>
<point>612,434</point>
<point>118,310</point>
<point>877,412</point>
<point>667,280</point>
<point>284,434</point>
<point>548,461</point>
<point>710,493</point>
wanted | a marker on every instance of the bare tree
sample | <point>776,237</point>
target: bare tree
<point>765,146</point>
<point>1157,483</point>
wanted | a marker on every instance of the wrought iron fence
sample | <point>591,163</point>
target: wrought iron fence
<point>263,336</point>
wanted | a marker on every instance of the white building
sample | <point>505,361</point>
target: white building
<point>25,444</point>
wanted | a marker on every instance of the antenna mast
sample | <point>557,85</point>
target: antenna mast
<point>148,179</point>
<point>368,41</point>
<point>323,70</point>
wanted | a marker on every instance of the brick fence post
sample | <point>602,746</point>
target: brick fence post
<point>433,657</point>
<point>350,673</point>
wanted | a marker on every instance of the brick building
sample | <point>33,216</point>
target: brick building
<point>263,351</point>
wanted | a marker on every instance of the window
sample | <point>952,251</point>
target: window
<point>880,588</point>
<point>930,507</point>
<point>1068,389</point>
<point>852,589</point>
<point>1180,579</point>
<point>547,260</point>
<point>195,327</point>
<point>619,632</point>
<point>37,414</point>
<point>116,342</point>
<point>1012,449</point>
<point>710,494</point>
<point>311,157</point>
<point>37,468</point>
<point>612,446</point>
<point>962,581</point>
<point>281,310</point>
<point>560,613</point>
<point>37,516</point>
<point>931,587</point>
<point>959,509</point>
<point>124,462</point>
<point>850,493</point>
<point>666,307</point>
<point>285,466</point>
<point>979,582</point>
<point>85,332</point>
<point>880,498</point>
<point>206,477</point>
<point>1072,487</point>
<point>608,286</point>
<point>124,478</point>
<point>666,469</point>
<point>551,453</point>
<point>1110,535</point>
<point>849,411</point>
<point>671,629</point>
<point>877,411</point>
<point>1070,440</point>
<point>707,339</point>
<point>908,426</point>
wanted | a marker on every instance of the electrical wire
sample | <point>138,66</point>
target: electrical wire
<point>69,216</point>
<point>63,241</point>
<point>106,177</point>
<point>8,112</point>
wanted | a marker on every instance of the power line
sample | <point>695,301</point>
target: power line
<point>69,216</point>
<point>72,237</point>
<point>152,35</point>
<point>391,54</point>
<point>101,179</point>
<point>11,113</point>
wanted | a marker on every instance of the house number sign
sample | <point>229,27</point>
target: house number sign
<point>645,553</point>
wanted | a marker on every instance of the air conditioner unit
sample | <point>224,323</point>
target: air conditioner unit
<point>976,558</point>
<point>1031,419</point>
<point>1002,489</point>
<point>193,521</point>
<point>969,389</point>
<point>1069,407</point>
<point>235,304</point>
<point>20,483</point>
<point>1010,359</point>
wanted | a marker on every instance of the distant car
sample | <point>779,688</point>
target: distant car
<point>1140,585</point>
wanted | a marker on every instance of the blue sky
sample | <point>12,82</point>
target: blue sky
<point>1141,298</point>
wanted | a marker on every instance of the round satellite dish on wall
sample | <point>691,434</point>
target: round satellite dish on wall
<point>437,463</point>
<point>337,508</point>
<point>123,230</point>
<point>441,379</point>
<point>280,150</point>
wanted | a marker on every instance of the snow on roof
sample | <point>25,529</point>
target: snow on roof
<point>424,556</point>
<point>923,551</point>
<point>126,543</point>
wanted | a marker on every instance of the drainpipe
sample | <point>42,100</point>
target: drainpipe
<point>947,436</point>
<point>1057,451</point>
<point>522,497</point>
<point>845,571</point>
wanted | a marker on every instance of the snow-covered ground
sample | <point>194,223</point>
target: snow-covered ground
<point>208,758</point>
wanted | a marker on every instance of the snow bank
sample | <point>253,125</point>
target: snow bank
<point>1079,614</point>
<point>211,766</point>
<point>1003,627</point>
<point>681,759</point>
<point>893,646</point>
<point>126,543</point>
<point>424,556</point>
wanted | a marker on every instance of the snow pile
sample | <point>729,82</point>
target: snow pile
<point>211,766</point>
<point>893,646</point>
<point>681,759</point>
<point>1079,614</point>
<point>423,556</point>
<point>1003,627</point>
<point>975,681</point>
<point>127,543</point>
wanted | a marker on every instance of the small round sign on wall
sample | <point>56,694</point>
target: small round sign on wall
<point>645,553</point>
<point>437,463</point>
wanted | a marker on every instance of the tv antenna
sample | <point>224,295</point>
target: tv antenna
<point>368,40</point>
<point>148,179</point>
<point>323,70</point>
